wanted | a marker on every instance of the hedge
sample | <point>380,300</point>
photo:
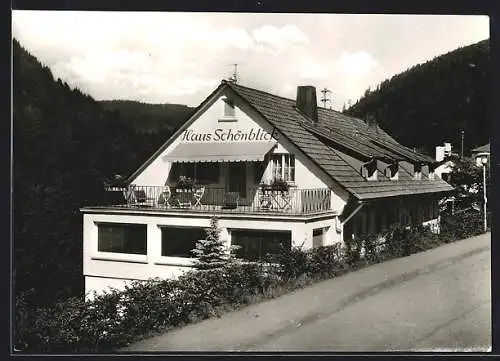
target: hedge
<point>116,318</point>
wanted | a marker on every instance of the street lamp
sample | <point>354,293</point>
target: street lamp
<point>484,161</point>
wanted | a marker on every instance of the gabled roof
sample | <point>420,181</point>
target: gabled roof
<point>327,142</point>
<point>482,149</point>
<point>281,113</point>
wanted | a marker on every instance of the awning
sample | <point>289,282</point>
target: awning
<point>219,152</point>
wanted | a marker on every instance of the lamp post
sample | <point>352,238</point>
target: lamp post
<point>484,161</point>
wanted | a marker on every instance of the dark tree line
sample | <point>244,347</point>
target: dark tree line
<point>65,145</point>
<point>150,118</point>
<point>432,102</point>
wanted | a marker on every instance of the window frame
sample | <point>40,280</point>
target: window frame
<point>287,167</point>
<point>178,258</point>
<point>260,240</point>
<point>229,109</point>
<point>97,254</point>
<point>183,167</point>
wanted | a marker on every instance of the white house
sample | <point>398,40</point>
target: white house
<point>344,178</point>
<point>444,162</point>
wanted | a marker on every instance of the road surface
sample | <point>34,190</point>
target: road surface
<point>437,300</point>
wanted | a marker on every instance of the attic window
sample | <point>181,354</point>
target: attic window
<point>392,171</point>
<point>228,108</point>
<point>417,170</point>
<point>369,170</point>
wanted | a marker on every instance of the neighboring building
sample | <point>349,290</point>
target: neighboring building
<point>444,162</point>
<point>479,152</point>
<point>345,177</point>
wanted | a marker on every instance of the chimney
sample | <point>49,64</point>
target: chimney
<point>307,101</point>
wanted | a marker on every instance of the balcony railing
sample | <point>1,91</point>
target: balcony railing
<point>210,199</point>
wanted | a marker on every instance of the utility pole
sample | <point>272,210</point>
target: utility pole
<point>462,146</point>
<point>325,99</point>
<point>484,161</point>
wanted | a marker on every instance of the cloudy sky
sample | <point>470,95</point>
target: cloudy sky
<point>181,57</point>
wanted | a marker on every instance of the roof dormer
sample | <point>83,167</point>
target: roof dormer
<point>392,171</point>
<point>369,170</point>
<point>417,171</point>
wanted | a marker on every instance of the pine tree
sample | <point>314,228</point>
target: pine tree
<point>212,252</point>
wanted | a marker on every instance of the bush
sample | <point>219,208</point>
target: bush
<point>462,225</point>
<point>326,261</point>
<point>114,319</point>
<point>352,251</point>
<point>293,262</point>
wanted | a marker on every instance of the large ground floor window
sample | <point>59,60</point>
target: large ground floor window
<point>256,244</point>
<point>179,242</point>
<point>122,238</point>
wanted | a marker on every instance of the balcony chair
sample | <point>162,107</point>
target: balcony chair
<point>164,197</point>
<point>140,197</point>
<point>198,195</point>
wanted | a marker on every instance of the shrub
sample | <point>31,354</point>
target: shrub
<point>352,251</point>
<point>462,225</point>
<point>212,251</point>
<point>326,261</point>
<point>373,249</point>
<point>116,318</point>
<point>292,262</point>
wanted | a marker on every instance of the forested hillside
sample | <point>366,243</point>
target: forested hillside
<point>432,102</point>
<point>65,145</point>
<point>150,118</point>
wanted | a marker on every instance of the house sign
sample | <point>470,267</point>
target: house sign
<point>226,135</point>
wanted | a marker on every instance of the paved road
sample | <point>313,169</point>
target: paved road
<point>438,300</point>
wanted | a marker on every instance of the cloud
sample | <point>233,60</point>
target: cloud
<point>355,65</point>
<point>279,38</point>
<point>180,57</point>
<point>309,68</point>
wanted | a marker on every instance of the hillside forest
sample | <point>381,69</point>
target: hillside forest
<point>433,102</point>
<point>66,146</point>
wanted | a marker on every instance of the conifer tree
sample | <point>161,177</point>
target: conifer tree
<point>211,252</point>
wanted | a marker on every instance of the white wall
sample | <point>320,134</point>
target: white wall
<point>103,269</point>
<point>306,174</point>
<point>207,123</point>
<point>443,168</point>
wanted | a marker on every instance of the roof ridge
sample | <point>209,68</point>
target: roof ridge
<point>257,90</point>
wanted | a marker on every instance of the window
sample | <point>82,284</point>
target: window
<point>228,108</point>
<point>178,242</point>
<point>207,172</point>
<point>317,237</point>
<point>283,167</point>
<point>122,238</point>
<point>392,171</point>
<point>256,244</point>
<point>418,171</point>
<point>201,172</point>
<point>369,170</point>
<point>258,171</point>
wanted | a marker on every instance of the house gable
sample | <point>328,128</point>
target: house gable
<point>212,125</point>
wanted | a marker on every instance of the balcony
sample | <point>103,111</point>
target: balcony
<point>219,200</point>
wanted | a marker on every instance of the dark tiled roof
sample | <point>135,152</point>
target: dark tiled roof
<point>484,148</point>
<point>320,142</point>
